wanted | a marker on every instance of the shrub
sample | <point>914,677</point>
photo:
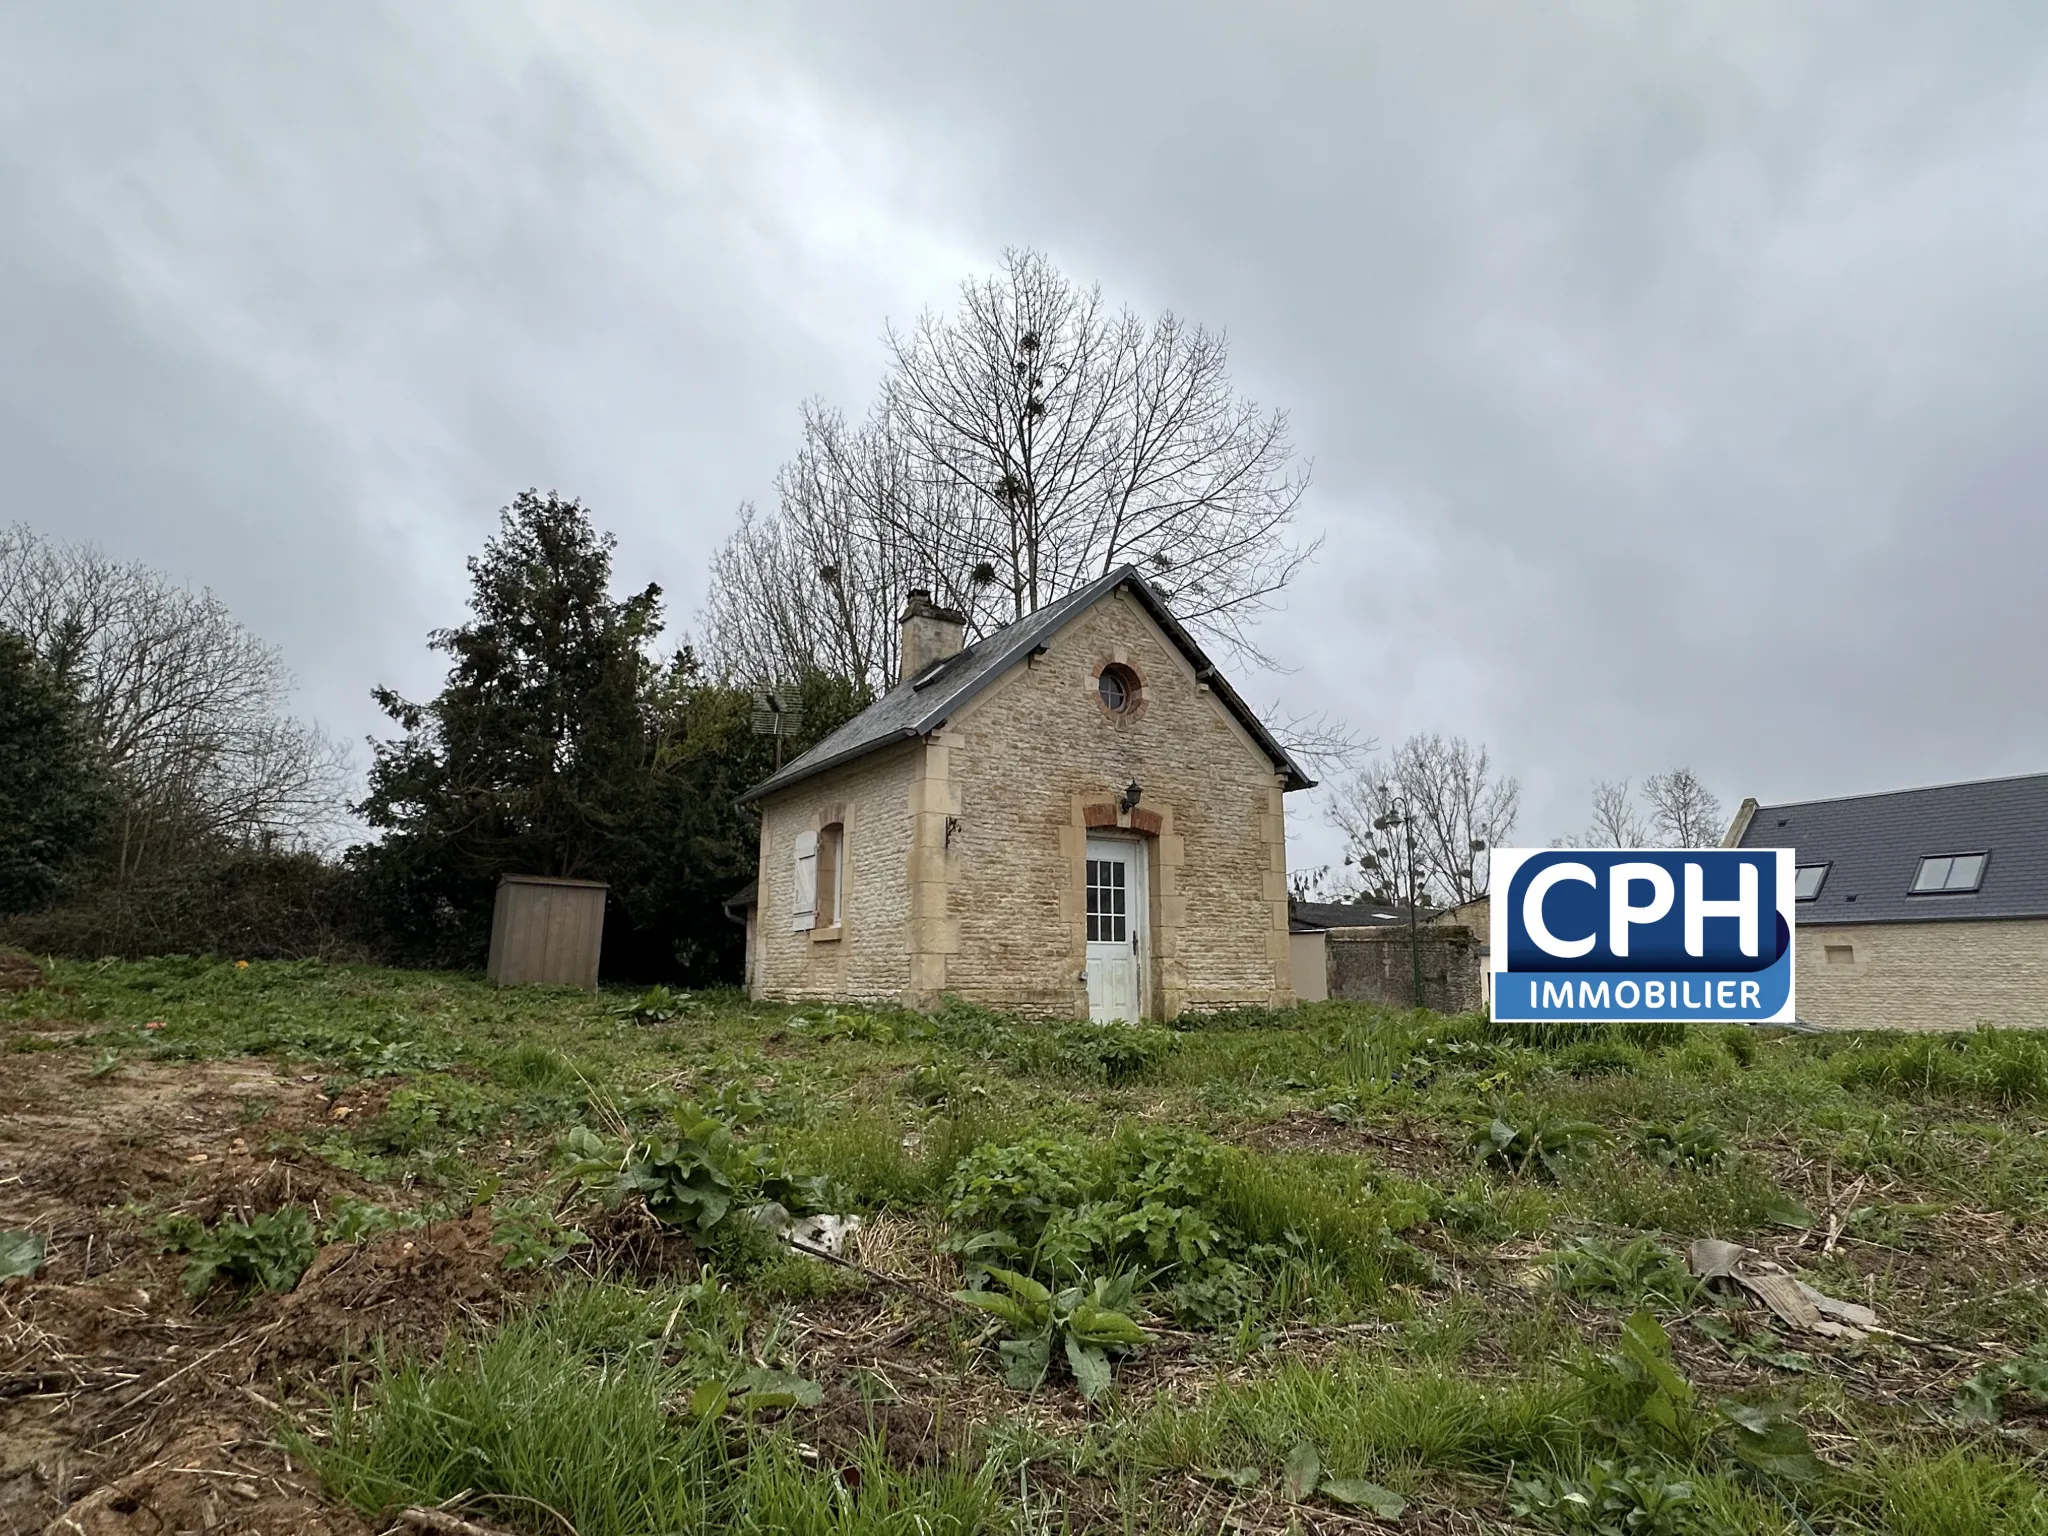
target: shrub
<point>237,905</point>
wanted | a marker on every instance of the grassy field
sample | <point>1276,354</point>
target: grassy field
<point>321,1244</point>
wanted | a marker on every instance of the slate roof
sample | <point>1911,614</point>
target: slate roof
<point>1316,916</point>
<point>919,707</point>
<point>1873,845</point>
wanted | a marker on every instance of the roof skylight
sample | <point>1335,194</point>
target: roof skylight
<point>1949,874</point>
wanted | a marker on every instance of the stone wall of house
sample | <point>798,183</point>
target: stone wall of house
<point>1948,975</point>
<point>1012,787</point>
<point>1373,965</point>
<point>867,957</point>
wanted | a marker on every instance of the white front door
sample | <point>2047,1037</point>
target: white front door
<point>1116,928</point>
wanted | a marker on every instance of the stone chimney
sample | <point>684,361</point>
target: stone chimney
<point>930,633</point>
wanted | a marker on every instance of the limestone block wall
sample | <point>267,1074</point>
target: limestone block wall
<point>1374,965</point>
<point>1952,975</point>
<point>1016,780</point>
<point>867,958</point>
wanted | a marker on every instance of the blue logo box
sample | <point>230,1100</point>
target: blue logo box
<point>1703,935</point>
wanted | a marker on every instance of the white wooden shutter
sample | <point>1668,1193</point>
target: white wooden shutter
<point>803,903</point>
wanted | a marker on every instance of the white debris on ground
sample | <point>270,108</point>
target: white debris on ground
<point>1791,1300</point>
<point>811,1236</point>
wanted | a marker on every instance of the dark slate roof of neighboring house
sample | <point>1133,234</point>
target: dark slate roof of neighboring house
<point>1873,844</point>
<point>919,707</point>
<point>1316,916</point>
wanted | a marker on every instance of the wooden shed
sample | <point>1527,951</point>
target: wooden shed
<point>547,931</point>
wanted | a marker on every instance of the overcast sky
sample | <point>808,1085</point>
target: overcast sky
<point>1675,375</point>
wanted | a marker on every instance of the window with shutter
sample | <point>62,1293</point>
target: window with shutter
<point>804,893</point>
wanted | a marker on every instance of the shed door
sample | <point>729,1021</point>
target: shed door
<point>1116,928</point>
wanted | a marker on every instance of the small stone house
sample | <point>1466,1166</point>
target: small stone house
<point>1075,816</point>
<point>1918,909</point>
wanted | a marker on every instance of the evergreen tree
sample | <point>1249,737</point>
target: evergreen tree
<point>51,799</point>
<point>559,746</point>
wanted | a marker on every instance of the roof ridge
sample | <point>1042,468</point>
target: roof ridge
<point>1917,789</point>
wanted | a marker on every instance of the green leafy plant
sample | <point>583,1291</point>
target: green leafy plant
<point>357,1221</point>
<point>1609,1498</point>
<point>270,1251</point>
<point>1688,1143</point>
<point>1087,1322</point>
<point>429,1112</point>
<point>1303,1479</point>
<point>21,1254</point>
<point>1118,1053</point>
<point>1622,1274</point>
<point>1765,1438</point>
<point>657,1005</point>
<point>1538,1142</point>
<point>1983,1397</point>
<point>833,1023</point>
<point>691,1174</point>
<point>1642,1398</point>
<point>529,1236</point>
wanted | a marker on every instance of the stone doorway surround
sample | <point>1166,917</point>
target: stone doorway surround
<point>1164,851</point>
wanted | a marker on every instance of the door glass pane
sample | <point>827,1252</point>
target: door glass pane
<point>1106,916</point>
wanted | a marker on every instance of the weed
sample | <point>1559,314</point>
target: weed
<point>657,1005</point>
<point>1116,1053</point>
<point>1537,1142</point>
<point>1999,1066</point>
<point>1641,1400</point>
<point>1609,1498</point>
<point>692,1173</point>
<point>1088,1322</point>
<point>1983,1397</point>
<point>270,1250</point>
<point>21,1254</point>
<point>1684,1143</point>
<point>357,1221</point>
<point>1598,1058</point>
<point>1628,1274</point>
<point>530,1237</point>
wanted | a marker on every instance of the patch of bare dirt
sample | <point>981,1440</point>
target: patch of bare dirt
<point>124,1406</point>
<point>407,1288</point>
<point>18,972</point>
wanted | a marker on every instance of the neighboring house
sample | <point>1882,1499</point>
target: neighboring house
<point>1074,816</point>
<point>1919,909</point>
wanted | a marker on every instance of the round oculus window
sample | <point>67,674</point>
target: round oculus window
<point>1114,688</point>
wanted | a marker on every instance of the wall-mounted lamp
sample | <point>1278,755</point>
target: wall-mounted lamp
<point>1131,793</point>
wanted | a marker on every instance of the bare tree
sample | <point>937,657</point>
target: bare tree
<point>1684,812</point>
<point>1675,811</point>
<point>1023,445</point>
<point>185,706</point>
<point>1616,822</point>
<point>1459,809</point>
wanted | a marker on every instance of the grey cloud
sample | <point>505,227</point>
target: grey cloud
<point>1675,376</point>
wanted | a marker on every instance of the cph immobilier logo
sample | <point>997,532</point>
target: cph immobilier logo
<point>1701,935</point>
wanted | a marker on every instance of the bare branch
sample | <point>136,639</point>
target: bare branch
<point>1453,801</point>
<point>1023,444</point>
<point>187,707</point>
